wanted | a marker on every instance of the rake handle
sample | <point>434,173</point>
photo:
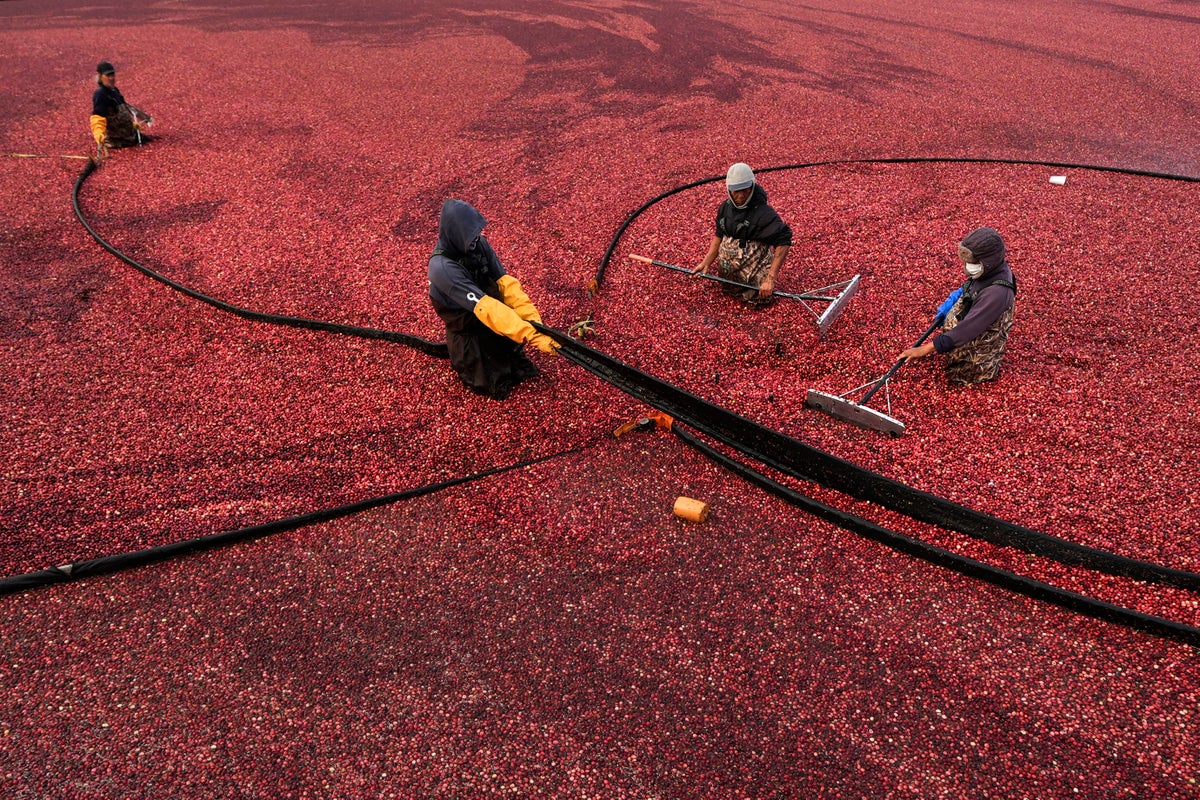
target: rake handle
<point>717,278</point>
<point>677,268</point>
<point>878,384</point>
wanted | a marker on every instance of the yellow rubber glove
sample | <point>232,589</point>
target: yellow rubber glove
<point>99,128</point>
<point>504,321</point>
<point>515,298</point>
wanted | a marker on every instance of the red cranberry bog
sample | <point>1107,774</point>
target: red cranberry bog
<point>465,598</point>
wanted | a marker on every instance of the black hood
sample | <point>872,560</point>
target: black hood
<point>458,226</point>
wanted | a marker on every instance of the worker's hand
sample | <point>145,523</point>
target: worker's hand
<point>701,269</point>
<point>766,288</point>
<point>544,343</point>
<point>917,352</point>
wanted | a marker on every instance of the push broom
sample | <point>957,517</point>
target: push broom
<point>842,407</point>
<point>837,302</point>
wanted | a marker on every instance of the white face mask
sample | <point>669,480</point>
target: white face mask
<point>973,270</point>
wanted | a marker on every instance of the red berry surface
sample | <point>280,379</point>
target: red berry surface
<point>555,630</point>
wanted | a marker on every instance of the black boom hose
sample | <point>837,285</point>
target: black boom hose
<point>103,565</point>
<point>436,349</point>
<point>796,459</point>
<point>1072,601</point>
<point>596,281</point>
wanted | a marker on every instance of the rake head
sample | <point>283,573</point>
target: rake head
<point>850,411</point>
<point>835,309</point>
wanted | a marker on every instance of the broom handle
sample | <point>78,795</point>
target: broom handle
<point>942,311</point>
<point>936,324</point>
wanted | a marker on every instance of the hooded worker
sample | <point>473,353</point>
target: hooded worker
<point>114,122</point>
<point>486,312</point>
<point>975,332</point>
<point>750,242</point>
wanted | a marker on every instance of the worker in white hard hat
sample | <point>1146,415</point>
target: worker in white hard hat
<point>750,243</point>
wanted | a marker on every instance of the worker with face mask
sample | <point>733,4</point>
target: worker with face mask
<point>486,312</point>
<point>976,329</point>
<point>750,242</point>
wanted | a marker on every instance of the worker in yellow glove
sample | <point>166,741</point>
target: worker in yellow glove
<point>486,312</point>
<point>114,122</point>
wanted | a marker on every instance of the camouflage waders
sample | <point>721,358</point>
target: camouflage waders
<point>979,359</point>
<point>746,262</point>
<point>120,131</point>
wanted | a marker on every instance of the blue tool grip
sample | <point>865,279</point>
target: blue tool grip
<point>948,304</point>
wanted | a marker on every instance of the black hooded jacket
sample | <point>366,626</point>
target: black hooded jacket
<point>757,222</point>
<point>459,273</point>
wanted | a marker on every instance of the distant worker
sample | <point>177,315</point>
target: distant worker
<point>750,242</point>
<point>486,312</point>
<point>975,333</point>
<point>114,122</point>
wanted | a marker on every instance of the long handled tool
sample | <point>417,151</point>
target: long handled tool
<point>843,408</point>
<point>43,155</point>
<point>140,120</point>
<point>837,302</point>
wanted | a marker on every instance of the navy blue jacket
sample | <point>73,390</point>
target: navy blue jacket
<point>106,101</point>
